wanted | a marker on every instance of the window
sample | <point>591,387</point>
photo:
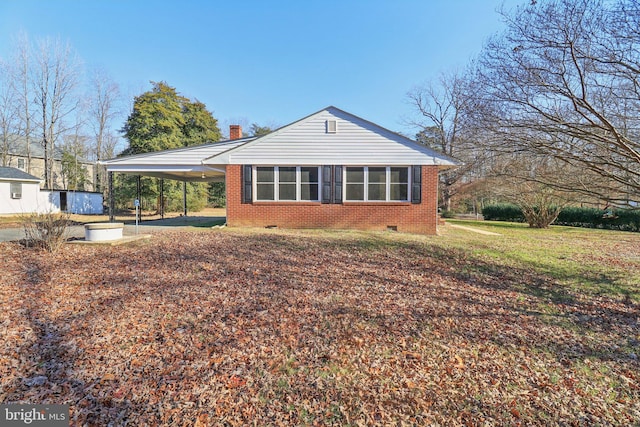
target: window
<point>21,164</point>
<point>265,179</point>
<point>288,183</point>
<point>16,190</point>
<point>355,183</point>
<point>310,183</point>
<point>379,183</point>
<point>399,184</point>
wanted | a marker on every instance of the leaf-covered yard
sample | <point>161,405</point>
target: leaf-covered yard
<point>328,328</point>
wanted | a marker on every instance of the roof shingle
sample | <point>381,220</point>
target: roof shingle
<point>15,174</point>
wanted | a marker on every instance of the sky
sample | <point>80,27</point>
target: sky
<point>268,62</point>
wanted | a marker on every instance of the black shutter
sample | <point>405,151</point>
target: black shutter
<point>337,184</point>
<point>416,184</point>
<point>326,184</point>
<point>246,184</point>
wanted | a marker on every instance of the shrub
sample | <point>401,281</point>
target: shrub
<point>618,219</point>
<point>447,214</point>
<point>535,216</point>
<point>580,217</point>
<point>626,219</point>
<point>46,231</point>
<point>503,212</point>
<point>540,216</point>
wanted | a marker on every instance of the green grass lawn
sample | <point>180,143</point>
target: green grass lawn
<point>595,262</point>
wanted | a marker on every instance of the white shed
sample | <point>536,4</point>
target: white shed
<point>20,193</point>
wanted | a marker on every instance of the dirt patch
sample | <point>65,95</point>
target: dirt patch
<point>473,229</point>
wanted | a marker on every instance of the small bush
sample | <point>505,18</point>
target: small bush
<point>447,214</point>
<point>540,216</point>
<point>46,231</point>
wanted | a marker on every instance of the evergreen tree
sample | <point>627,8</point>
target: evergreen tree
<point>74,173</point>
<point>257,130</point>
<point>156,121</point>
<point>199,125</point>
<point>162,119</point>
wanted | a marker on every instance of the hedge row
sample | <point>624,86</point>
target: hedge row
<point>616,219</point>
<point>503,212</point>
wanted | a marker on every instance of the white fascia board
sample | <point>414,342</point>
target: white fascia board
<point>215,168</point>
<point>129,168</point>
<point>22,180</point>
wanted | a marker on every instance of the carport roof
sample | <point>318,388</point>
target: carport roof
<point>182,164</point>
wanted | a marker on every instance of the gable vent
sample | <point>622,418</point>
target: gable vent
<point>332,126</point>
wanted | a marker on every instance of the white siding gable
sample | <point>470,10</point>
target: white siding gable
<point>355,142</point>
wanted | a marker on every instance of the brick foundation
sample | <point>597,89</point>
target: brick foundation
<point>405,217</point>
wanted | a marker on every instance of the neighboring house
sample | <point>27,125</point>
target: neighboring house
<point>17,156</point>
<point>328,170</point>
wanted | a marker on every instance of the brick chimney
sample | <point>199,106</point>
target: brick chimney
<point>235,132</point>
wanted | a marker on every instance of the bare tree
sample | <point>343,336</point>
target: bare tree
<point>104,107</point>
<point>8,113</point>
<point>75,148</point>
<point>54,80</point>
<point>21,77</point>
<point>563,82</point>
<point>442,108</point>
<point>110,145</point>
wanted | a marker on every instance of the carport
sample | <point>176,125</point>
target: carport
<point>180,164</point>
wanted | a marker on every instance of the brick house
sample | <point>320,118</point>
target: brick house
<point>328,170</point>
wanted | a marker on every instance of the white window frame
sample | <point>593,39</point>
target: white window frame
<point>24,164</point>
<point>387,184</point>
<point>276,184</point>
